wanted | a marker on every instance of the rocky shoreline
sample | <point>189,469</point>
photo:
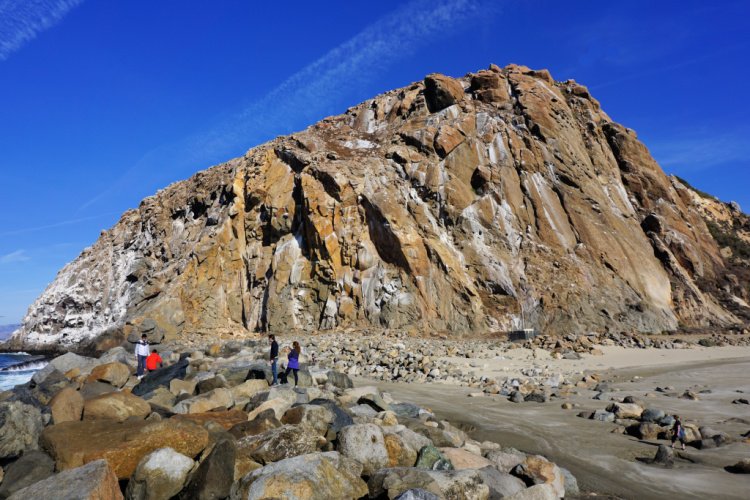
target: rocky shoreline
<point>209,425</point>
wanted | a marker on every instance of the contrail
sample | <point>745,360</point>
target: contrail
<point>311,92</point>
<point>22,20</point>
<point>56,224</point>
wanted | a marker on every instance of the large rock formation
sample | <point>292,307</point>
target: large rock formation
<point>451,204</point>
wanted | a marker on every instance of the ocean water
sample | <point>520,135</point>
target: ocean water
<point>18,368</point>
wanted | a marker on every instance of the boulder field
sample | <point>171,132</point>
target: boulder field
<point>462,205</point>
<point>209,425</point>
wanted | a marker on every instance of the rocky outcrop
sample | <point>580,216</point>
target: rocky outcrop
<point>451,204</point>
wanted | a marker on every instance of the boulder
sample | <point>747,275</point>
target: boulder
<point>66,406</point>
<point>374,401</point>
<point>340,418</point>
<point>225,419</point>
<point>406,410</point>
<point>259,425</point>
<point>603,416</point>
<point>116,374</point>
<point>501,484</point>
<point>538,470</point>
<point>212,400</point>
<point>209,384</point>
<point>429,457</point>
<point>93,481</point>
<point>249,388</point>
<point>71,360</point>
<point>161,377</point>
<point>652,415</point>
<point>741,467</point>
<point>314,476</point>
<point>215,474</point>
<point>664,456</point>
<point>364,443</point>
<point>417,494</point>
<point>412,439</point>
<point>93,389</point>
<point>160,475</point>
<point>122,444</point>
<point>277,444</point>
<point>505,460</point>
<point>571,483</point>
<point>178,387</point>
<point>115,406</point>
<point>719,437</point>
<point>400,454</point>
<point>314,416</point>
<point>33,466</point>
<point>463,459</point>
<point>464,484</point>
<point>20,425</point>
<point>161,401</point>
<point>339,380</point>
<point>441,91</point>
<point>649,430</point>
<point>441,437</point>
<point>626,410</point>
<point>117,354</point>
<point>536,492</point>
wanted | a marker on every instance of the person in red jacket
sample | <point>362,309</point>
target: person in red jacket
<point>153,361</point>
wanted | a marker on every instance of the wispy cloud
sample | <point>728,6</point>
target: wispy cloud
<point>14,257</point>
<point>319,87</point>
<point>701,150</point>
<point>22,20</point>
<point>53,225</point>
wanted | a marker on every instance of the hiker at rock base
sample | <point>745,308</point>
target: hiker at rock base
<point>274,358</point>
<point>293,363</point>
<point>678,432</point>
<point>141,353</point>
<point>154,361</point>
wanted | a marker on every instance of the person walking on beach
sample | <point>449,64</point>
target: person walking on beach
<point>293,362</point>
<point>141,353</point>
<point>154,361</point>
<point>274,357</point>
<point>678,432</point>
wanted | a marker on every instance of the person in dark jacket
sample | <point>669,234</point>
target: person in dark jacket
<point>293,361</point>
<point>678,432</point>
<point>274,357</point>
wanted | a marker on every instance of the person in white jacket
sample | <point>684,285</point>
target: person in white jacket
<point>141,353</point>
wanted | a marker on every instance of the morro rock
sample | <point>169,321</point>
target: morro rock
<point>451,204</point>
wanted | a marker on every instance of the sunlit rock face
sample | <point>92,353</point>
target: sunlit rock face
<point>457,205</point>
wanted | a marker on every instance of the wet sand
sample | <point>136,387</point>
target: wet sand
<point>608,463</point>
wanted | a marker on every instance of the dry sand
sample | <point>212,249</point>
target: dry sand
<point>604,462</point>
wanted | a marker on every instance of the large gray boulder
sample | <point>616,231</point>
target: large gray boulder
<point>33,466</point>
<point>20,426</point>
<point>365,444</point>
<point>280,443</point>
<point>314,476</point>
<point>215,474</point>
<point>501,484</point>
<point>160,475</point>
<point>464,484</point>
<point>93,481</point>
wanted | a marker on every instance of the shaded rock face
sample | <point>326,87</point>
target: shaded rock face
<point>450,204</point>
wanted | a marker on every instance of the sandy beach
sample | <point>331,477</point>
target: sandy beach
<point>605,462</point>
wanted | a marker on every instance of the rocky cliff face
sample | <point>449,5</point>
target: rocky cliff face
<point>451,204</point>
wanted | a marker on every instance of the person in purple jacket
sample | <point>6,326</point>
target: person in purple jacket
<point>293,364</point>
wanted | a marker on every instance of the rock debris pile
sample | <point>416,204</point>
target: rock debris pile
<point>210,425</point>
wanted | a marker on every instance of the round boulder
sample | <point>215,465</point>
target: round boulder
<point>160,475</point>
<point>365,444</point>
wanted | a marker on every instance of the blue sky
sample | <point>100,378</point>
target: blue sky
<point>103,103</point>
